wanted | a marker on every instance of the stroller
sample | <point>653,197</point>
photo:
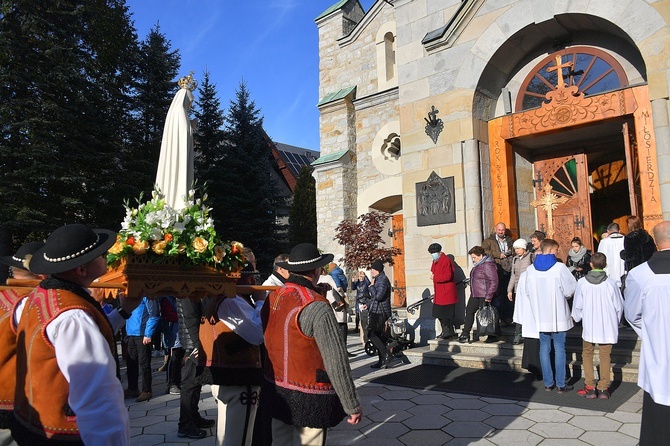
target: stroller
<point>397,338</point>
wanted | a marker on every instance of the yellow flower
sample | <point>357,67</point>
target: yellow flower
<point>159,247</point>
<point>181,248</point>
<point>200,244</point>
<point>116,248</point>
<point>140,247</point>
<point>219,254</point>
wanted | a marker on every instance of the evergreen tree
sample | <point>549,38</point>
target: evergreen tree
<point>65,68</point>
<point>302,217</point>
<point>154,91</point>
<point>251,201</point>
<point>208,145</point>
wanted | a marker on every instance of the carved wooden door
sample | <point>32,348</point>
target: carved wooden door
<point>399,286</point>
<point>568,177</point>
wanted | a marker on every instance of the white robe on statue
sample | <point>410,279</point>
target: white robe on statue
<point>612,246</point>
<point>544,299</point>
<point>600,308</point>
<point>647,308</point>
<point>175,165</point>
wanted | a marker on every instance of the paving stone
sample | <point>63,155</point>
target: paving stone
<point>466,404</point>
<point>608,439</point>
<point>135,431</point>
<point>509,422</point>
<point>630,407</point>
<point>344,425</point>
<point>425,438</point>
<point>631,429</point>
<point>436,409</point>
<point>380,441</point>
<point>582,412</point>
<point>385,430</point>
<point>599,423</point>
<point>548,416</point>
<point>464,396</point>
<point>564,442</point>
<point>556,430</point>
<point>470,429</point>
<point>163,411</point>
<point>399,395</point>
<point>466,415</point>
<point>534,405</point>
<point>431,399</point>
<point>394,405</point>
<point>384,416</point>
<point>143,421</point>
<point>148,440</point>
<point>515,437</point>
<point>496,400</point>
<point>371,390</point>
<point>625,417</point>
<point>171,437</point>
<point>503,409</point>
<point>426,421</point>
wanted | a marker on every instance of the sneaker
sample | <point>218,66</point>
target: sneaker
<point>131,393</point>
<point>548,389</point>
<point>173,390</point>
<point>587,392</point>
<point>604,394</point>
<point>192,432</point>
<point>144,396</point>
<point>464,338</point>
<point>205,423</point>
<point>564,389</point>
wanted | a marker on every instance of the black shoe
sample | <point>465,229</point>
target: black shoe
<point>388,357</point>
<point>205,423</point>
<point>376,365</point>
<point>192,432</point>
<point>564,389</point>
<point>491,339</point>
<point>351,355</point>
<point>131,393</point>
<point>464,338</point>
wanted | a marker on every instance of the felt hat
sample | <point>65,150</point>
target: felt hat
<point>21,259</point>
<point>71,246</point>
<point>305,257</point>
<point>377,265</point>
<point>434,247</point>
<point>520,243</point>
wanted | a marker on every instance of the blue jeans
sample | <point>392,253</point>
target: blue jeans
<point>559,358</point>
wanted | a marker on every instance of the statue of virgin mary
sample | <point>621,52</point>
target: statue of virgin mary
<point>175,165</point>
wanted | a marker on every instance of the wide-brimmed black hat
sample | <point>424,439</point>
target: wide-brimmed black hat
<point>305,257</point>
<point>71,246</point>
<point>23,255</point>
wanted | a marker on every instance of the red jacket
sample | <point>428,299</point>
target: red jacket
<point>443,281</point>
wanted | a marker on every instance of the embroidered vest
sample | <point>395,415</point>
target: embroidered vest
<point>232,360</point>
<point>8,301</point>
<point>302,395</point>
<point>41,405</point>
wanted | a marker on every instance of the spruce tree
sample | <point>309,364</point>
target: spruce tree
<point>251,201</point>
<point>156,86</point>
<point>302,216</point>
<point>65,71</point>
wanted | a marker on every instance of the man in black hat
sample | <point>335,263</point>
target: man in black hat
<point>9,300</point>
<point>67,385</point>
<point>310,387</point>
<point>379,310</point>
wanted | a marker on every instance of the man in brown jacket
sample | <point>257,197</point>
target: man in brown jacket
<point>499,247</point>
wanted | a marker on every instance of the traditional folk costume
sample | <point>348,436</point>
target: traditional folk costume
<point>543,292</point>
<point>230,335</point>
<point>647,309</point>
<point>599,305</point>
<point>68,389</point>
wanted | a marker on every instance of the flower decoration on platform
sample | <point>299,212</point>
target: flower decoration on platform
<point>156,230</point>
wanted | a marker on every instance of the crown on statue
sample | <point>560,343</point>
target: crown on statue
<point>188,82</point>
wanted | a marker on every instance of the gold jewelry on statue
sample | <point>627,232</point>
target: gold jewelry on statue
<point>188,82</point>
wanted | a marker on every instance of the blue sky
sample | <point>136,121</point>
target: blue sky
<point>270,44</point>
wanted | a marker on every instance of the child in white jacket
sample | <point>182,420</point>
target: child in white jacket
<point>599,305</point>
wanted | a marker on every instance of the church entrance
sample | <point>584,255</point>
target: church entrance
<point>583,153</point>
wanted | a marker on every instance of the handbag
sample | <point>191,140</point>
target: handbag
<point>488,320</point>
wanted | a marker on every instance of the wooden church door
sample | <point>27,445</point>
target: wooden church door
<point>399,286</point>
<point>568,178</point>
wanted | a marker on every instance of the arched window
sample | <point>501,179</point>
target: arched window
<point>386,67</point>
<point>591,70</point>
<point>389,50</point>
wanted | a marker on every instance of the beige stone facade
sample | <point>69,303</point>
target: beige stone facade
<point>394,62</point>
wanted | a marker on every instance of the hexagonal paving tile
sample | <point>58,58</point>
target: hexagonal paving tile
<point>462,403</point>
<point>509,422</point>
<point>515,437</point>
<point>425,438</point>
<point>503,409</point>
<point>394,405</point>
<point>428,408</point>
<point>385,430</point>
<point>399,395</point>
<point>431,399</point>
<point>471,429</point>
<point>426,421</point>
<point>608,439</point>
<point>146,420</point>
<point>466,415</point>
<point>384,416</point>
<point>631,429</point>
<point>549,416</point>
<point>556,430</point>
<point>596,423</point>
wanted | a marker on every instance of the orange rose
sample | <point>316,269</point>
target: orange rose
<point>130,240</point>
<point>200,244</point>
<point>116,248</point>
<point>159,247</point>
<point>168,237</point>
<point>219,254</point>
<point>140,247</point>
<point>236,247</point>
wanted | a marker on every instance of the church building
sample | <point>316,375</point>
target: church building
<point>455,115</point>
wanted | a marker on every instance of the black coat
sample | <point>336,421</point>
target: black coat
<point>638,246</point>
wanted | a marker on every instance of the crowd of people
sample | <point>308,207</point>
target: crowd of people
<point>277,361</point>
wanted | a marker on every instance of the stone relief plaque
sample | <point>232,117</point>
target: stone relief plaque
<point>435,201</point>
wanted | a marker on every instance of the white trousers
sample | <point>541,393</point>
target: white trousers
<point>285,434</point>
<point>237,406</point>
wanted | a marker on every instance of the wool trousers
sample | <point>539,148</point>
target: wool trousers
<point>287,435</point>
<point>237,407</point>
